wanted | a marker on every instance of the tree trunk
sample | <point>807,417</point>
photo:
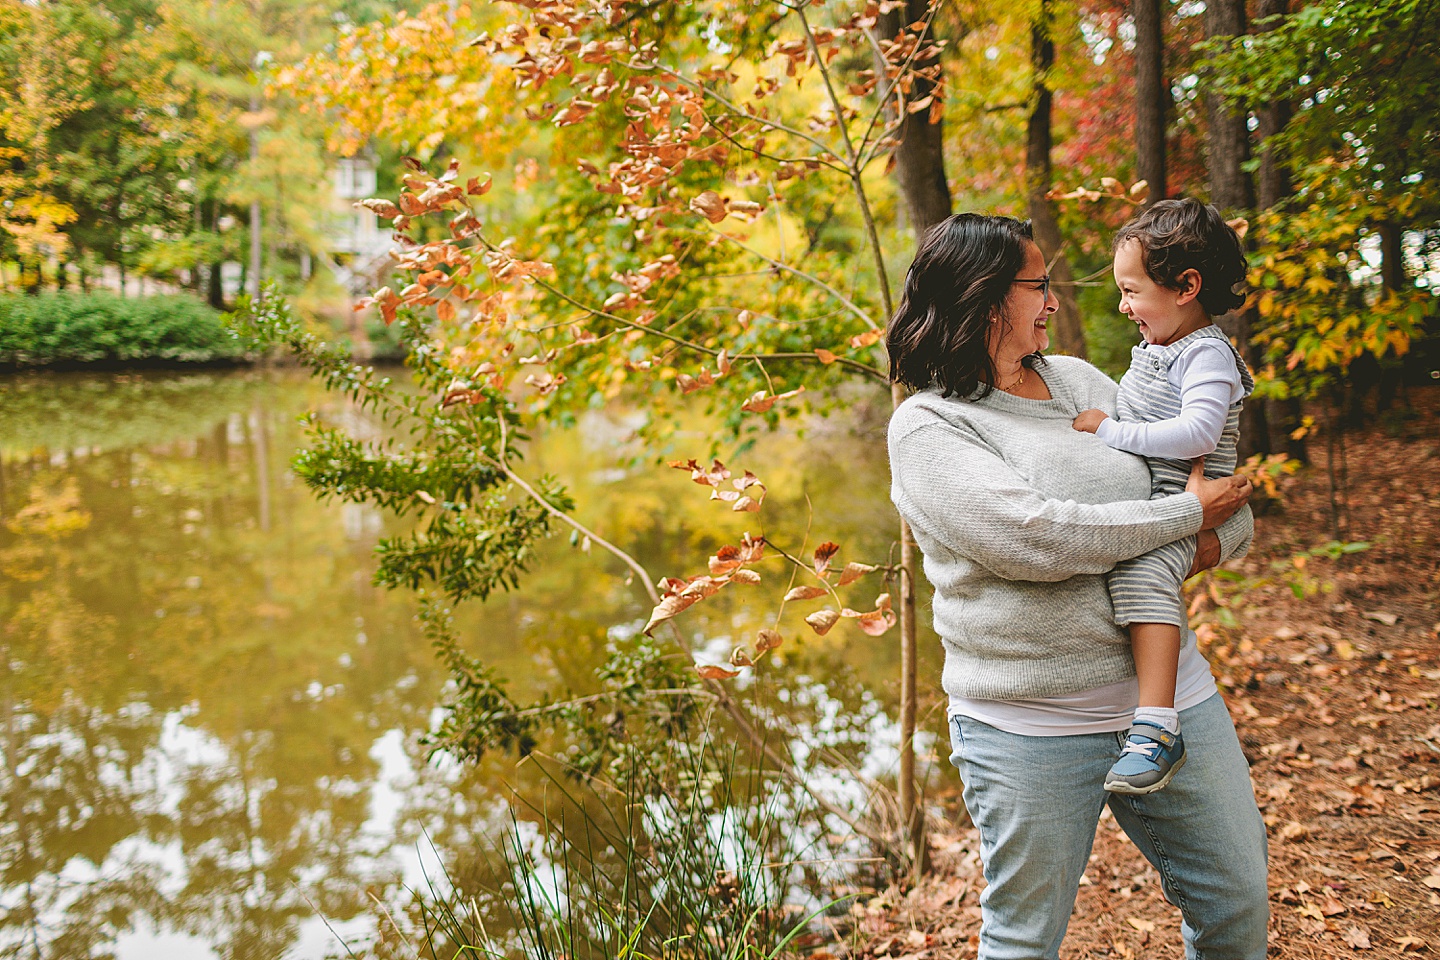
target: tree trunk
<point>1273,186</point>
<point>1274,183</point>
<point>920,172</point>
<point>1229,144</point>
<point>1069,333</point>
<point>1152,96</point>
<point>920,156</point>
<point>1232,192</point>
<point>256,252</point>
<point>1392,257</point>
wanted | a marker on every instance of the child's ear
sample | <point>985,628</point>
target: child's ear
<point>1189,286</point>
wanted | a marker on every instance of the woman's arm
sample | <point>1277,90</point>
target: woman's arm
<point>965,497</point>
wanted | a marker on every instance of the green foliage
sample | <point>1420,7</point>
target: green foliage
<point>70,328</point>
<point>1365,79</point>
<point>443,461</point>
<point>1320,305</point>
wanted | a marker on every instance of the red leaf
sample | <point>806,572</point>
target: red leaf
<point>805,593</point>
<point>853,572</point>
<point>711,206</point>
<point>823,555</point>
<point>713,671</point>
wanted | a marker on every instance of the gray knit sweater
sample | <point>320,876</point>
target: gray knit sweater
<point>1018,516</point>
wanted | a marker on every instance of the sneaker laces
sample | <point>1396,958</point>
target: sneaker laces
<point>1151,750</point>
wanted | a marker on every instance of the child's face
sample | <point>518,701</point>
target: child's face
<point>1163,315</point>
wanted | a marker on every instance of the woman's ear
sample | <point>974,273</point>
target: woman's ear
<point>1189,286</point>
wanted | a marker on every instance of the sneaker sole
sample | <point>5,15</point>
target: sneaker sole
<point>1120,786</point>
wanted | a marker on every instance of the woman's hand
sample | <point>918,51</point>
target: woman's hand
<point>1207,552</point>
<point>1219,498</point>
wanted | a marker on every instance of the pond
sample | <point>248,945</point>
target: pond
<point>213,721</point>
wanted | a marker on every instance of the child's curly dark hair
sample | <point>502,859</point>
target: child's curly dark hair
<point>1185,234</point>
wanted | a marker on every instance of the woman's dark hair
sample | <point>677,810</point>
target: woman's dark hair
<point>959,280</point>
<point>1185,234</point>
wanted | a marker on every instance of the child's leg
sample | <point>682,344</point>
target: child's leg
<point>1146,595</point>
<point>1156,647</point>
<point>1157,659</point>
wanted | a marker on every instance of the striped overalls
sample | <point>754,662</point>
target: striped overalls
<point>1147,588</point>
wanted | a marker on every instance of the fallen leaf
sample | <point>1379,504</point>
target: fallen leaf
<point>1332,907</point>
<point>1408,943</point>
<point>1381,616</point>
<point>1294,831</point>
<point>1358,938</point>
<point>1144,926</point>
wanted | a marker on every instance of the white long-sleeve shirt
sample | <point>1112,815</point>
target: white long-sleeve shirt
<point>1208,382</point>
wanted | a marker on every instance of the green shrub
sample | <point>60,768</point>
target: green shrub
<point>75,328</point>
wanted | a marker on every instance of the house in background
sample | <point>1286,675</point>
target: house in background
<point>359,246</point>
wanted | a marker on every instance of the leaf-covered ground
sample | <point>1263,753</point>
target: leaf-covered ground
<point>1331,667</point>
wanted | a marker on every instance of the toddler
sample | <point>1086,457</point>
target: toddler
<point>1177,265</point>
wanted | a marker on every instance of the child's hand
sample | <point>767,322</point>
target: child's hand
<point>1089,421</point>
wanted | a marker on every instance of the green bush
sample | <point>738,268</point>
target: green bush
<point>75,328</point>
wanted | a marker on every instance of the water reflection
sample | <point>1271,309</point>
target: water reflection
<point>212,719</point>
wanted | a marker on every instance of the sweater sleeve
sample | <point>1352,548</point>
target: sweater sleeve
<point>1236,534</point>
<point>1207,381</point>
<point>966,498</point>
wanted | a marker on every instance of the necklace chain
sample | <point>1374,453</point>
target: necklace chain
<point>1018,381</point>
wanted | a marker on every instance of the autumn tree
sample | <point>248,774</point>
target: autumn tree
<point>1357,152</point>
<point>1152,95</point>
<point>713,175</point>
<point>1039,180</point>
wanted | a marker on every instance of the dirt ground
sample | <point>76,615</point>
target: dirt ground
<point>1330,663</point>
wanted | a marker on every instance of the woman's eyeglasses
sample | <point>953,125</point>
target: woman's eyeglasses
<point>1043,281</point>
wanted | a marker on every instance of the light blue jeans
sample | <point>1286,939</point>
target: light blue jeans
<point>1036,801</point>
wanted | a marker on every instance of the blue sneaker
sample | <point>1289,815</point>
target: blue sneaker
<point>1150,760</point>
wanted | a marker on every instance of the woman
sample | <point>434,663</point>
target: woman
<point>1018,517</point>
